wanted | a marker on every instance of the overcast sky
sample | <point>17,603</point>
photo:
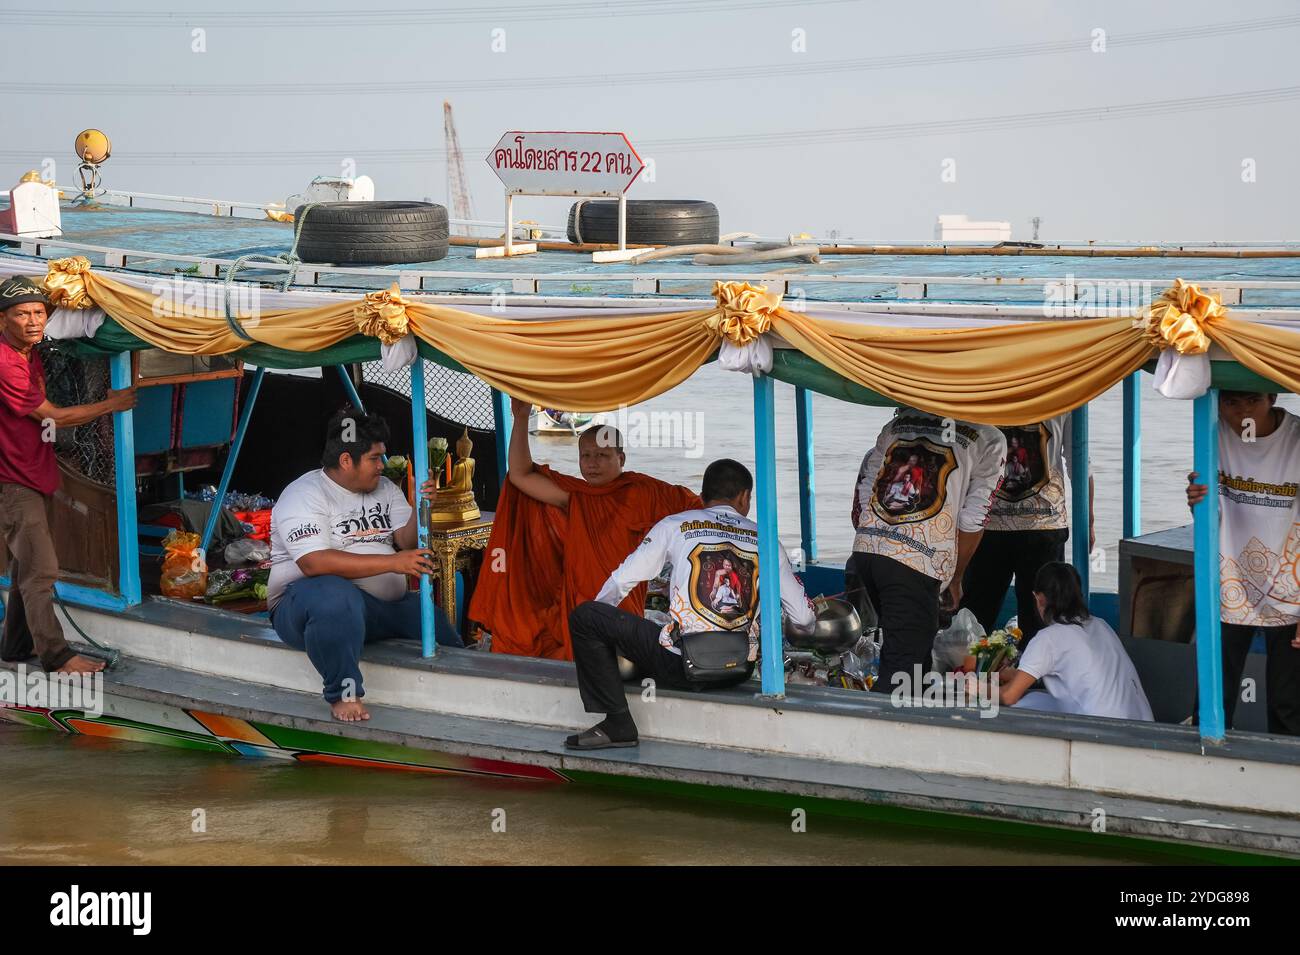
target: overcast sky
<point>787,74</point>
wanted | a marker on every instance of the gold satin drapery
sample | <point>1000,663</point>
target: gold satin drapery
<point>1003,374</point>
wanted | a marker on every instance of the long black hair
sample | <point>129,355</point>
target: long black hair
<point>1059,583</point>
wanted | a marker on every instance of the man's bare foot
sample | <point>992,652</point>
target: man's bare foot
<point>80,664</point>
<point>349,711</point>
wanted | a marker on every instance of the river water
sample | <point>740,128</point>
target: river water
<point>76,800</point>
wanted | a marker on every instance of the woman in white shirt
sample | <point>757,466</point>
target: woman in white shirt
<point>1077,656</point>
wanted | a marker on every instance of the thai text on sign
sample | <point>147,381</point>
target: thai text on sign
<point>565,163</point>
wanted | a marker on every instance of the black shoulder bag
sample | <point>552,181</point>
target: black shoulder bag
<point>715,656</point>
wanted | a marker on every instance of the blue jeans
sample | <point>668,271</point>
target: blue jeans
<point>331,618</point>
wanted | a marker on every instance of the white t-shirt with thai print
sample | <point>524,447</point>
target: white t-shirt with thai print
<point>714,584</point>
<point>1259,537</point>
<point>1032,496</point>
<point>315,513</point>
<point>926,479</point>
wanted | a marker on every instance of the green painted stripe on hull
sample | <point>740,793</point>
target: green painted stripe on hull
<point>28,718</point>
<point>1101,844</point>
<point>132,732</point>
<point>313,742</point>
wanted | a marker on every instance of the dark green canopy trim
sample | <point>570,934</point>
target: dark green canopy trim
<point>796,368</point>
<point>1233,376</point>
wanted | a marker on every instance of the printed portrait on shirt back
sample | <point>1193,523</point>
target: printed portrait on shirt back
<point>1026,470</point>
<point>912,483</point>
<point>724,585</point>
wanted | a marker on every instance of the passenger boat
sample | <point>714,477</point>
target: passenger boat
<point>566,423</point>
<point>204,678</point>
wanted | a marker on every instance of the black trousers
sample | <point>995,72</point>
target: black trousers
<point>1281,674</point>
<point>1002,555</point>
<point>907,603</point>
<point>601,634</point>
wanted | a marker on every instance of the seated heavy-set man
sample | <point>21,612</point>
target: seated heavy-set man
<point>343,540</point>
<point>714,555</point>
<point>29,475</point>
<point>561,536</point>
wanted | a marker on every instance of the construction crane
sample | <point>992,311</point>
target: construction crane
<point>462,207</point>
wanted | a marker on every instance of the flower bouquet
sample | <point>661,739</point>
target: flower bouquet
<point>395,469</point>
<point>995,649</point>
<point>438,455</point>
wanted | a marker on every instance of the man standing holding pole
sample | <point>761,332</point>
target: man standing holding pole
<point>29,474</point>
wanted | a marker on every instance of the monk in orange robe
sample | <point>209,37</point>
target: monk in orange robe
<point>556,539</point>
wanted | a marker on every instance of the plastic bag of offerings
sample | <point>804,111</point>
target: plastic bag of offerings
<point>184,572</point>
<point>951,645</point>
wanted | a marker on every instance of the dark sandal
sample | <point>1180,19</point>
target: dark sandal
<point>595,738</point>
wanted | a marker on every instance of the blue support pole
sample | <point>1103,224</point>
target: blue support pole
<point>245,415</point>
<point>353,397</point>
<point>1205,518</point>
<point>350,388</point>
<point>128,546</point>
<point>803,420</point>
<point>501,414</point>
<point>420,438</point>
<point>1132,456</point>
<point>1079,494</point>
<point>769,543</point>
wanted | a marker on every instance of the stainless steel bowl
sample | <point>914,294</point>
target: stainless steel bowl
<point>837,629</point>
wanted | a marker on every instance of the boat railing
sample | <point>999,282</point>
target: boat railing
<point>228,207</point>
<point>919,288</point>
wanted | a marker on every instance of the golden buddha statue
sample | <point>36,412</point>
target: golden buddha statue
<point>455,504</point>
<point>462,473</point>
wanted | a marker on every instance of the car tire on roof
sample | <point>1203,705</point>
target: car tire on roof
<point>372,233</point>
<point>649,221</point>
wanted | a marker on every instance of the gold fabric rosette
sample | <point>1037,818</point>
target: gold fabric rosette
<point>1178,318</point>
<point>382,315</point>
<point>744,311</point>
<point>65,283</point>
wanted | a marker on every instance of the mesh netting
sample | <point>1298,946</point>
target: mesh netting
<point>71,380</point>
<point>454,395</point>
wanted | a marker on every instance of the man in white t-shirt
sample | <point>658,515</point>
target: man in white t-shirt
<point>713,551</point>
<point>343,540</point>
<point>1259,549</point>
<point>919,507</point>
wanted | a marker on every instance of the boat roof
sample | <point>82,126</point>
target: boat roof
<point>165,241</point>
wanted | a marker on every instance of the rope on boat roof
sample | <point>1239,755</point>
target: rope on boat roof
<point>289,258</point>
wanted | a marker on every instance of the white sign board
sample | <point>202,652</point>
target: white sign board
<point>565,164</point>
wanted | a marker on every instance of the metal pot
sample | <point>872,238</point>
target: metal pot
<point>837,629</point>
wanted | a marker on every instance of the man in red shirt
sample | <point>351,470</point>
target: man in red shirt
<point>29,474</point>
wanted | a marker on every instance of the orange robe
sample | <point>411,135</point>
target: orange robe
<point>542,561</point>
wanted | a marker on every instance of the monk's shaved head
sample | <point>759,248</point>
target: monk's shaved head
<point>600,454</point>
<point>604,436</point>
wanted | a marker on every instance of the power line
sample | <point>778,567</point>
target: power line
<point>766,140</point>
<point>703,75</point>
<point>361,17</point>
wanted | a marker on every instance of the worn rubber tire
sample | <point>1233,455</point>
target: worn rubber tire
<point>373,233</point>
<point>649,221</point>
